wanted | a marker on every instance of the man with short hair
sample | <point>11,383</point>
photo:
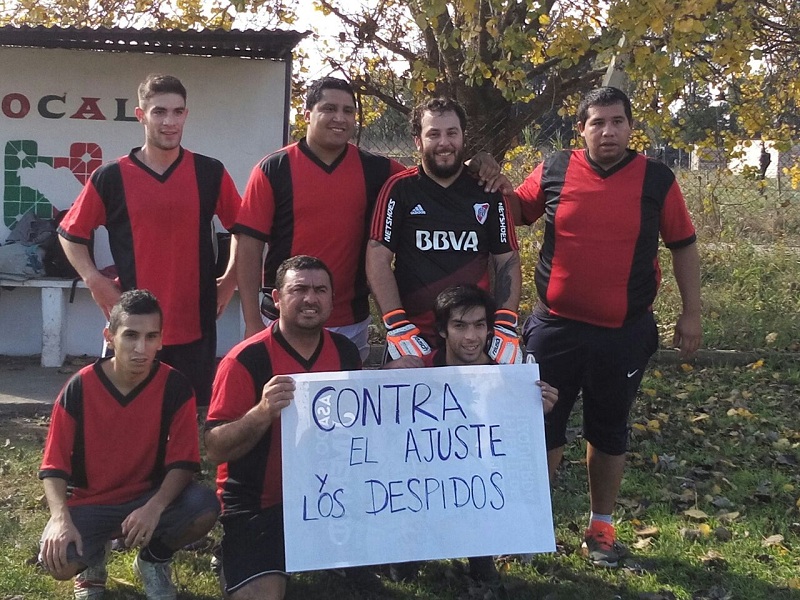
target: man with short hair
<point>121,452</point>
<point>243,432</point>
<point>158,204</point>
<point>592,330</point>
<point>441,228</point>
<point>316,197</point>
<point>464,320</point>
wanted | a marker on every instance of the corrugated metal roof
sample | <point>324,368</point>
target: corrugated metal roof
<point>274,44</point>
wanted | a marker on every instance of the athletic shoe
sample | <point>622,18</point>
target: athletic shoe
<point>600,545</point>
<point>156,578</point>
<point>91,583</point>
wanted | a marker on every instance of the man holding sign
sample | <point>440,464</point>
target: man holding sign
<point>243,432</point>
<point>464,320</point>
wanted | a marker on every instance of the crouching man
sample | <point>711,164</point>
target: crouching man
<point>119,461</point>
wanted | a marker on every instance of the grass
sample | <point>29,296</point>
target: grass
<point>709,506</point>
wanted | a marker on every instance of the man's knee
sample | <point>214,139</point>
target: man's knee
<point>68,572</point>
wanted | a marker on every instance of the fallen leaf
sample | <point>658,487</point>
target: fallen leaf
<point>647,532</point>
<point>723,534</point>
<point>696,514</point>
<point>642,543</point>
<point>773,540</point>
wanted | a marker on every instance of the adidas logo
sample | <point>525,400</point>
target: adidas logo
<point>418,210</point>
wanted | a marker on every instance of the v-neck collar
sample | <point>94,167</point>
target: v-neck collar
<point>123,399</point>
<point>603,173</point>
<point>162,177</point>
<point>328,168</point>
<point>306,364</point>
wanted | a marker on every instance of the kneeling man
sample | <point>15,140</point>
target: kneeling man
<point>120,458</point>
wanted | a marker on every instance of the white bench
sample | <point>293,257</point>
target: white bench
<point>55,294</point>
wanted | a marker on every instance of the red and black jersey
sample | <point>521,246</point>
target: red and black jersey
<point>112,448</point>
<point>599,260</point>
<point>437,358</point>
<point>440,237</point>
<point>253,482</point>
<point>160,232</point>
<point>300,205</point>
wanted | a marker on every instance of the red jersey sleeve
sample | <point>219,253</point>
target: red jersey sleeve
<point>60,440</point>
<point>228,202</point>
<point>676,224</point>
<point>233,393</point>
<point>183,445</point>
<point>85,215</point>
<point>531,197</point>
<point>258,207</point>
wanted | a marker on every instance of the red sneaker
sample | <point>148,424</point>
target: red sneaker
<point>600,545</point>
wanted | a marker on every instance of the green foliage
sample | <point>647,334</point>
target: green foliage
<point>708,506</point>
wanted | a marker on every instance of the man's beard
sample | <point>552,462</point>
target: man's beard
<point>443,171</point>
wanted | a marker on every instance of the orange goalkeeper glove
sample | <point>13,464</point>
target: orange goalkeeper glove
<point>504,347</point>
<point>403,337</point>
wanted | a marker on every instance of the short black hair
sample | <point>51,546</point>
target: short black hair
<point>462,297</point>
<point>438,105</point>
<point>301,262</point>
<point>314,93</point>
<point>156,83</point>
<point>134,302</point>
<point>604,96</point>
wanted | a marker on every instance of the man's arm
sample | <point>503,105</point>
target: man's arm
<point>60,530</point>
<point>233,440</point>
<point>105,292</point>
<point>381,277</point>
<point>227,283</point>
<point>688,328</point>
<point>507,280</point>
<point>249,272</point>
<point>138,526</point>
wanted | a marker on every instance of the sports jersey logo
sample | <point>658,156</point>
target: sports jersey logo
<point>418,210</point>
<point>481,212</point>
<point>387,227</point>
<point>447,240</point>
<point>501,213</point>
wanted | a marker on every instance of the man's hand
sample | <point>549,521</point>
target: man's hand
<point>688,334</point>
<point>487,169</point>
<point>105,291</point>
<point>225,289</point>
<point>549,396</point>
<point>59,533</point>
<point>405,362</point>
<point>403,337</point>
<point>504,347</point>
<point>276,395</point>
<point>139,526</point>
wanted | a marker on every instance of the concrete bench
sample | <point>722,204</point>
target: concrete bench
<point>55,294</point>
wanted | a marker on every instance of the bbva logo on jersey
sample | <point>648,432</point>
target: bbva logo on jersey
<point>447,240</point>
<point>481,212</point>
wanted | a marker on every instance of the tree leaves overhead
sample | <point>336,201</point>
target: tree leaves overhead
<point>512,62</point>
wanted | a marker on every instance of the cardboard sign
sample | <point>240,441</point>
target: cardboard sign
<point>414,464</point>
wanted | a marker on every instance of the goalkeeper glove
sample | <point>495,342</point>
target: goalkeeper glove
<point>504,348</point>
<point>403,337</point>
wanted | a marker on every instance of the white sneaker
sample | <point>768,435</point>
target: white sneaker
<point>156,578</point>
<point>91,583</point>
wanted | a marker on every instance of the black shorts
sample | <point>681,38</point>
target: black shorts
<point>605,364</point>
<point>252,546</point>
<point>197,361</point>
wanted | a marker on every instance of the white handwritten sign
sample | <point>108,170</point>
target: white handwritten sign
<point>414,464</point>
